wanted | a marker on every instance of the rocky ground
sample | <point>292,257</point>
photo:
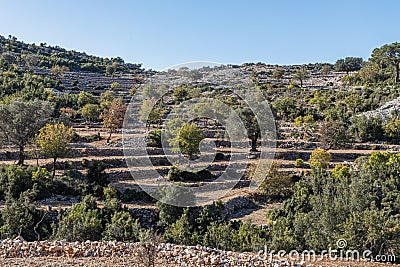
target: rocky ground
<point>385,111</point>
<point>106,253</point>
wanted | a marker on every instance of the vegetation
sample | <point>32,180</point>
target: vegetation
<point>54,141</point>
<point>20,121</point>
<point>358,205</point>
<point>43,55</point>
<point>113,117</point>
<point>189,140</point>
<point>356,201</point>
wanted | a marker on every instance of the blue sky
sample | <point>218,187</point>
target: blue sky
<point>160,34</point>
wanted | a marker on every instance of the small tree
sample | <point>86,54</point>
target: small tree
<point>113,117</point>
<point>180,232</point>
<point>20,121</point>
<point>69,112</point>
<point>181,93</point>
<point>19,220</point>
<point>333,134</point>
<point>111,69</point>
<point>81,222</point>
<point>90,112</point>
<point>392,129</point>
<point>123,228</point>
<point>301,75</point>
<point>353,102</point>
<point>106,98</point>
<point>114,85</point>
<point>367,128</point>
<point>319,158</point>
<point>54,141</point>
<point>189,140</point>
<point>278,73</point>
<point>250,123</point>
<point>326,69</point>
<point>148,247</point>
<point>85,98</point>
<point>150,113</point>
<point>173,194</point>
<point>285,106</point>
<point>59,71</point>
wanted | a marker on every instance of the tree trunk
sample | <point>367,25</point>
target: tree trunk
<point>21,156</point>
<point>54,167</point>
<point>253,145</point>
<point>109,138</point>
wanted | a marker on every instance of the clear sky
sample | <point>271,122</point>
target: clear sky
<point>160,33</point>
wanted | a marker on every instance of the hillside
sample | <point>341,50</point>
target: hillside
<point>46,56</point>
<point>76,158</point>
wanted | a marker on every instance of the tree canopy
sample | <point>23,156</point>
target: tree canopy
<point>54,141</point>
<point>20,121</point>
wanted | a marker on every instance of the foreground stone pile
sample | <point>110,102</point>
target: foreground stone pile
<point>166,254</point>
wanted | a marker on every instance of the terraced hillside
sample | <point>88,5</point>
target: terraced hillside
<point>122,177</point>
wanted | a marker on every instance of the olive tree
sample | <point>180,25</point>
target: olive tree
<point>113,117</point>
<point>54,141</point>
<point>20,121</point>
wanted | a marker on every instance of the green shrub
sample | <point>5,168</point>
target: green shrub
<point>130,195</point>
<point>110,192</point>
<point>123,228</point>
<point>96,178</point>
<point>169,195</point>
<point>176,174</point>
<point>155,138</point>
<point>219,236</point>
<point>19,218</point>
<point>367,128</point>
<point>81,222</point>
<point>15,180</point>
<point>181,231</point>
<point>299,163</point>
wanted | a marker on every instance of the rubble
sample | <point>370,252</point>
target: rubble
<point>168,254</point>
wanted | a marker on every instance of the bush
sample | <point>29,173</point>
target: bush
<point>299,163</point>
<point>15,180</point>
<point>334,134</point>
<point>181,93</point>
<point>71,183</point>
<point>110,192</point>
<point>219,156</point>
<point>277,184</point>
<point>130,195</point>
<point>219,236</point>
<point>179,196</point>
<point>20,218</point>
<point>81,222</point>
<point>319,158</point>
<point>367,128</point>
<point>181,231</point>
<point>155,139</point>
<point>392,129</point>
<point>123,228</point>
<point>96,178</point>
<point>178,175</point>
